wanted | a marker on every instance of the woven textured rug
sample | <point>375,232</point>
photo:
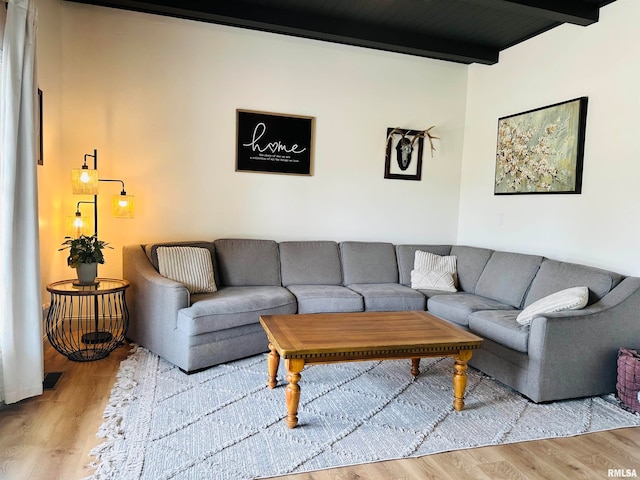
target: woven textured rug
<point>225,423</point>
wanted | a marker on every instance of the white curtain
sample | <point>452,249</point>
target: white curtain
<point>20,295</point>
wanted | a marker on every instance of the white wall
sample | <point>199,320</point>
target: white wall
<point>157,97</point>
<point>50,176</point>
<point>599,227</point>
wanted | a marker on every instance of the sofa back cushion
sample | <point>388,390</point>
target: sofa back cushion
<point>554,276</point>
<point>507,277</point>
<point>470,262</point>
<point>310,263</point>
<point>406,255</point>
<point>247,262</point>
<point>369,262</point>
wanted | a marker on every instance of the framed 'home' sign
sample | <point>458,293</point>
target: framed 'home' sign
<point>274,143</point>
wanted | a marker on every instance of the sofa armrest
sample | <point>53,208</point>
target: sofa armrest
<point>581,346</point>
<point>153,301</point>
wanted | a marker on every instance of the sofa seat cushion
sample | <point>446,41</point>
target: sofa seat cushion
<point>456,307</point>
<point>232,307</point>
<point>326,298</point>
<point>427,292</point>
<point>392,297</point>
<point>501,327</point>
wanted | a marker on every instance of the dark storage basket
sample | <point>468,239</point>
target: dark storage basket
<point>628,384</point>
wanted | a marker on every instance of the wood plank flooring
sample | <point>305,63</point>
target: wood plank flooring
<point>49,438</point>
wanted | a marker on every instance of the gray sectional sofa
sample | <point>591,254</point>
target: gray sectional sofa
<point>560,355</point>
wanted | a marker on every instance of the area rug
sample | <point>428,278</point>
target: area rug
<point>225,423</point>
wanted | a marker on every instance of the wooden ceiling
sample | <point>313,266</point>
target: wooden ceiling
<point>464,31</point>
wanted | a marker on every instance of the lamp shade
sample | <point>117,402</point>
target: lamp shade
<point>78,225</point>
<point>123,206</point>
<point>84,181</point>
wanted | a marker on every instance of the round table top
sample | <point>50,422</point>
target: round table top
<point>102,286</point>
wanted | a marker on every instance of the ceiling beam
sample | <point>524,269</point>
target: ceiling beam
<point>270,19</point>
<point>563,11</point>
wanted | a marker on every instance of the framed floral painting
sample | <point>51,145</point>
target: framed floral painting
<point>541,151</point>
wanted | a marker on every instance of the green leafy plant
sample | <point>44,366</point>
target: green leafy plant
<point>84,249</point>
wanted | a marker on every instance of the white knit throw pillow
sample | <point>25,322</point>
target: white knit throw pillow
<point>431,261</point>
<point>434,272</point>
<point>432,280</point>
<point>190,266</point>
<point>573,298</point>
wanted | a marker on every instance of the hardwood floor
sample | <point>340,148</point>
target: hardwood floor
<point>49,438</point>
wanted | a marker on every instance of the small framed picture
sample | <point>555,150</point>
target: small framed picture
<point>403,157</point>
<point>274,143</point>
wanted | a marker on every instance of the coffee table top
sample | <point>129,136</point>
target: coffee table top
<point>370,333</point>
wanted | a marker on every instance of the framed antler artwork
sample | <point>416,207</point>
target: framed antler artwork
<point>403,158</point>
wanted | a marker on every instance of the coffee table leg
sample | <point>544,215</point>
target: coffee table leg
<point>273,360</point>
<point>415,367</point>
<point>294,367</point>
<point>460,378</point>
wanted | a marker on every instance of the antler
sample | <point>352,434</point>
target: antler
<point>426,133</point>
<point>422,134</point>
<point>395,130</point>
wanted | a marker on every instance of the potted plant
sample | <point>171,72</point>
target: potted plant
<point>85,253</point>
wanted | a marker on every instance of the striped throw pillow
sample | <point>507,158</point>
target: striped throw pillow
<point>573,298</point>
<point>190,266</point>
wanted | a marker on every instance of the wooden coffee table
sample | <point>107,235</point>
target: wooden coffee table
<point>347,337</point>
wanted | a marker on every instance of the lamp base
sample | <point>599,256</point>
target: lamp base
<point>93,338</point>
<point>88,355</point>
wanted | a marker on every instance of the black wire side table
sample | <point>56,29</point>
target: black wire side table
<point>87,322</point>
